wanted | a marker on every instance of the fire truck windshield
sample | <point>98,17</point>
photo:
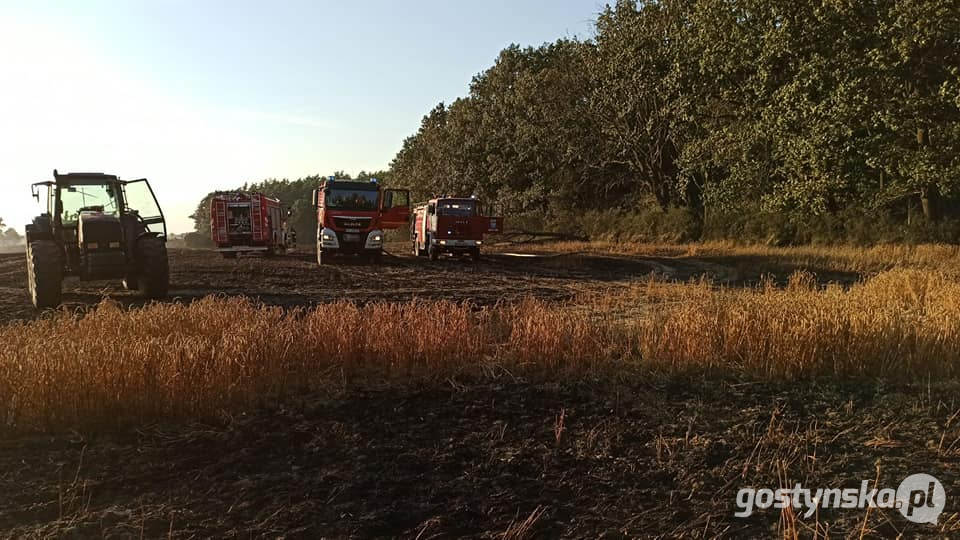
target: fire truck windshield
<point>457,208</point>
<point>350,199</point>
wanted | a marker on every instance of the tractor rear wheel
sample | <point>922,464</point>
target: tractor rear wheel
<point>154,275</point>
<point>44,273</point>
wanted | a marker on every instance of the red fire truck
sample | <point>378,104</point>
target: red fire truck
<point>242,222</point>
<point>451,225</point>
<point>352,216</point>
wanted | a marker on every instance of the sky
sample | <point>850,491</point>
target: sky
<point>198,95</point>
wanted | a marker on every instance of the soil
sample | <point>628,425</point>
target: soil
<point>297,280</point>
<point>574,460</point>
<point>496,458</point>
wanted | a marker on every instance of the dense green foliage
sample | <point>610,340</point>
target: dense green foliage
<point>791,121</point>
<point>774,120</point>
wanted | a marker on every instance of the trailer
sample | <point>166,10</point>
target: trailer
<point>454,225</point>
<point>242,222</point>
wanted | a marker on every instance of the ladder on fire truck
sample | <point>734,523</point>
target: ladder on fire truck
<point>256,218</point>
<point>221,221</point>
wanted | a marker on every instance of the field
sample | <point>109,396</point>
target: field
<point>557,390</point>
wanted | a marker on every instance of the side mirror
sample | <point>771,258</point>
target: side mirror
<point>316,198</point>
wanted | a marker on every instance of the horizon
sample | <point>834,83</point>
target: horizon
<point>195,104</point>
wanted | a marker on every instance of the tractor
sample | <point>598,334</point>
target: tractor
<point>96,227</point>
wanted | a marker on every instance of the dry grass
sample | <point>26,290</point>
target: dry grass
<point>118,367</point>
<point>898,324</point>
<point>872,259</point>
<point>172,361</point>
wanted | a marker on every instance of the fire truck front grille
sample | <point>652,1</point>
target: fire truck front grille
<point>351,222</point>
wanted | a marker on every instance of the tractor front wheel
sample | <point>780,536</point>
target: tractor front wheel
<point>153,278</point>
<point>44,273</point>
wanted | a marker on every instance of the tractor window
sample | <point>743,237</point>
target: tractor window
<point>77,199</point>
<point>139,197</point>
<point>457,208</point>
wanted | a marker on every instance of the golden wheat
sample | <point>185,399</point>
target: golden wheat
<point>171,361</point>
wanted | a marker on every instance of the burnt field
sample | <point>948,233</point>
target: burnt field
<point>487,441</point>
<point>505,275</point>
<point>296,280</point>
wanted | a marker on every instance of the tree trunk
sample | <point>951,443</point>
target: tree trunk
<point>929,195</point>
<point>930,199</point>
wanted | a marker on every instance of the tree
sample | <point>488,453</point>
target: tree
<point>523,137</point>
<point>637,95</point>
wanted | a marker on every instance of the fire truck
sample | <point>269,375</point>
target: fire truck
<point>242,222</point>
<point>353,215</point>
<point>451,225</point>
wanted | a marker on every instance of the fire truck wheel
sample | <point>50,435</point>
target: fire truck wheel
<point>373,257</point>
<point>475,254</point>
<point>433,252</point>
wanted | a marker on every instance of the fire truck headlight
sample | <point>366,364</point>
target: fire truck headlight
<point>479,242</point>
<point>443,242</point>
<point>377,238</point>
<point>327,237</point>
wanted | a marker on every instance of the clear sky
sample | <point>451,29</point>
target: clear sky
<point>199,95</point>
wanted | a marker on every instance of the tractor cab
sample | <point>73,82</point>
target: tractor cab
<point>96,227</point>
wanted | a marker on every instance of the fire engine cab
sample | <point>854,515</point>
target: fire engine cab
<point>353,215</point>
<point>451,225</point>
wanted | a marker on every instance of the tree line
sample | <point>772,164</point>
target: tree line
<point>794,115</point>
<point>777,119</point>
<point>9,236</point>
